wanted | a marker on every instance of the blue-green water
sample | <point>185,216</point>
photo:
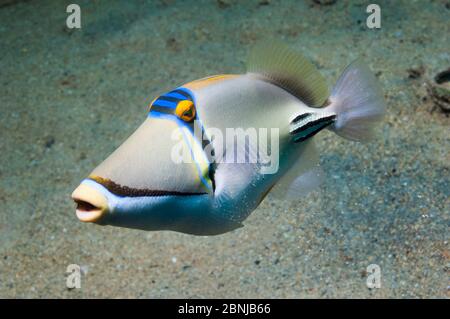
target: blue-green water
<point>70,97</point>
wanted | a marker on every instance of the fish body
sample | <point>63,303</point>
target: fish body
<point>184,170</point>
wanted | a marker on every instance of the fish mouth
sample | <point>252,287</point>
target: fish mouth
<point>91,204</point>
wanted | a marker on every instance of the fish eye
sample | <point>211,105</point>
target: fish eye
<point>185,110</point>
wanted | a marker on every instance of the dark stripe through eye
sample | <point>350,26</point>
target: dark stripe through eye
<point>168,98</point>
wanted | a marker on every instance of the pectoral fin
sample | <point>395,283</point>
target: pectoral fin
<point>303,177</point>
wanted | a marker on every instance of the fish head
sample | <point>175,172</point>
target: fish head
<point>159,178</point>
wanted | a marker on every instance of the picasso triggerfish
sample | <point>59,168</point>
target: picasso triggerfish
<point>210,150</point>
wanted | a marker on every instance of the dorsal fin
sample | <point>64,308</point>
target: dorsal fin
<point>288,69</point>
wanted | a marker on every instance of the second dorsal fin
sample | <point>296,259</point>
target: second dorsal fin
<point>288,69</point>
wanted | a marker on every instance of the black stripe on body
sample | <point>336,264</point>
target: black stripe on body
<point>301,117</point>
<point>319,125</point>
<point>304,138</point>
<point>328,120</point>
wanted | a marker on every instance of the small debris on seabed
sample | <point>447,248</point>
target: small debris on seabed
<point>324,2</point>
<point>416,72</point>
<point>49,141</point>
<point>223,3</point>
<point>443,77</point>
<point>439,91</point>
<point>173,45</point>
<point>82,156</point>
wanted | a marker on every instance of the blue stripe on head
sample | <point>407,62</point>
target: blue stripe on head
<point>172,117</point>
<point>186,92</point>
<point>166,116</point>
<point>175,95</point>
<point>172,98</point>
<point>164,103</point>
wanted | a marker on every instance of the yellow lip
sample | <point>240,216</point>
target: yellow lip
<point>91,204</point>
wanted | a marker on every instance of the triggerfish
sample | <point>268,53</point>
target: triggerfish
<point>176,171</point>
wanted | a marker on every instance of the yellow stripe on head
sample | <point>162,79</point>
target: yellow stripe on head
<point>201,83</point>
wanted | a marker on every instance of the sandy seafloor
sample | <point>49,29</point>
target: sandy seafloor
<point>68,99</point>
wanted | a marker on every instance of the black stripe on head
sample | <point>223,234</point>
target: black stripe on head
<point>317,125</point>
<point>168,98</point>
<point>184,93</point>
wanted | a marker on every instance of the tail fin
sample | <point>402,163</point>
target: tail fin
<point>358,103</point>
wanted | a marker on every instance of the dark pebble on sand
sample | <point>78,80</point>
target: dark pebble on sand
<point>223,4</point>
<point>82,156</point>
<point>439,91</point>
<point>173,45</point>
<point>264,2</point>
<point>415,73</point>
<point>443,76</point>
<point>325,2</point>
<point>49,141</point>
